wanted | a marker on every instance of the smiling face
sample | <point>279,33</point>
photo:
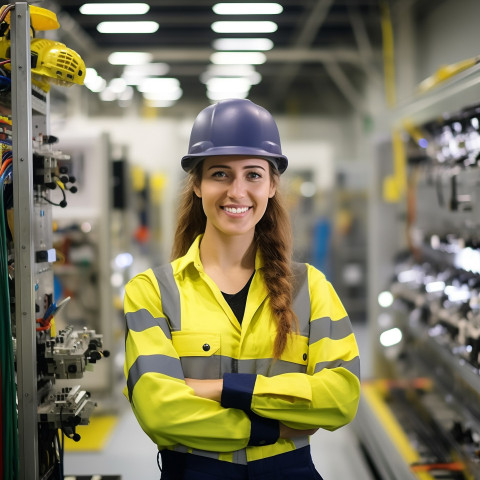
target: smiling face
<point>235,192</point>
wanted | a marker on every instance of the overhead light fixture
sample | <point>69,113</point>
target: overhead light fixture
<point>247,8</point>
<point>147,69</point>
<point>114,8</point>
<point>231,71</point>
<point>235,58</point>
<point>252,44</point>
<point>128,27</point>
<point>166,95</point>
<point>93,81</point>
<point>244,27</point>
<point>129,58</point>
<point>216,96</point>
<point>135,74</point>
<point>164,84</point>
<point>223,84</point>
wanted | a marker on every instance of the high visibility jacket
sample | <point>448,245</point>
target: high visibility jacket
<point>180,326</point>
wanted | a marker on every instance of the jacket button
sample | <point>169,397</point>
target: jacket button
<point>304,357</point>
<point>206,347</point>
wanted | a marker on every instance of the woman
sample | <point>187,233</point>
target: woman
<point>234,354</point>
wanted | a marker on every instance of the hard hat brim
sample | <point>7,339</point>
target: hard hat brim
<point>280,162</point>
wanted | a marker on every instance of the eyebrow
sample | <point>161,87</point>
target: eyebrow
<point>228,167</point>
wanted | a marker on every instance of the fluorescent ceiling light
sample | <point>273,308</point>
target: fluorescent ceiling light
<point>114,8</point>
<point>164,84</point>
<point>227,58</point>
<point>244,27</point>
<point>146,69</point>
<point>117,85</point>
<point>170,95</point>
<point>255,44</point>
<point>247,8</point>
<point>216,96</point>
<point>128,27</point>
<point>222,84</point>
<point>129,58</point>
<point>107,95</point>
<point>231,71</point>
<point>93,81</point>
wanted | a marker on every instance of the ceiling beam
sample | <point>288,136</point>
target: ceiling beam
<point>278,55</point>
<point>316,17</point>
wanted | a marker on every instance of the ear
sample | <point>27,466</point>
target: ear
<point>273,189</point>
<point>197,191</point>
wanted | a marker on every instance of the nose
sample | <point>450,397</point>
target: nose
<point>236,188</point>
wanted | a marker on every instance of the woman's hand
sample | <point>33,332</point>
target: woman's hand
<point>211,389</point>
<point>289,433</point>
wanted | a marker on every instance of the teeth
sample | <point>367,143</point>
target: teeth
<point>236,210</point>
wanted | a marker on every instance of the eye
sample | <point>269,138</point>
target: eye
<point>219,174</point>
<point>254,175</point>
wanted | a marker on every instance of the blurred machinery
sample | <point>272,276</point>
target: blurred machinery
<point>420,416</point>
<point>37,356</point>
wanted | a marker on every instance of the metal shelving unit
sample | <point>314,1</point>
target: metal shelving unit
<point>24,254</point>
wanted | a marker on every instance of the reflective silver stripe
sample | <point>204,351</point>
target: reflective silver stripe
<point>170,295</point>
<point>153,364</point>
<point>216,365</point>
<point>326,328</point>
<point>142,320</point>
<point>239,457</point>
<point>301,297</point>
<point>352,365</point>
<point>301,442</point>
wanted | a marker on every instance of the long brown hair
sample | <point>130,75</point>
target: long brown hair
<point>273,236</point>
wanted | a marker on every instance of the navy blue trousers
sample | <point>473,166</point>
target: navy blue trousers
<point>295,465</point>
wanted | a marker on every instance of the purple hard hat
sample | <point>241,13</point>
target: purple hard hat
<point>234,127</point>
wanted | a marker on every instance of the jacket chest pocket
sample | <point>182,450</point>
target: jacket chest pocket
<point>199,354</point>
<point>294,358</point>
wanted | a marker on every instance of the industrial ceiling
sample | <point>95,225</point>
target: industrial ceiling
<point>322,51</point>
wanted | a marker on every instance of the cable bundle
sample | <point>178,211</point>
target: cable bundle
<point>9,432</point>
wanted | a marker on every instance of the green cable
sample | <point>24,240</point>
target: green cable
<point>9,404</point>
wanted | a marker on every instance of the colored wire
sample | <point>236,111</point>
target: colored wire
<point>8,387</point>
<point>62,203</point>
<point>4,166</point>
<point>5,12</point>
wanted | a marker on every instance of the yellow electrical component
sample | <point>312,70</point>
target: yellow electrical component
<point>445,72</point>
<point>394,186</point>
<point>51,62</point>
<point>54,60</point>
<point>40,18</point>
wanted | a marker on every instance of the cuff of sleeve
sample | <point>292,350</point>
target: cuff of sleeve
<point>237,390</point>
<point>264,431</point>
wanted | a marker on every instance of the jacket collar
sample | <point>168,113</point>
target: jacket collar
<point>193,256</point>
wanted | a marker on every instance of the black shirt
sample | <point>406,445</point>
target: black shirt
<point>237,301</point>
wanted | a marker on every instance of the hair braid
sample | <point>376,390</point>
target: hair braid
<point>275,242</point>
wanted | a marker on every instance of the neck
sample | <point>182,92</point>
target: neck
<point>227,251</point>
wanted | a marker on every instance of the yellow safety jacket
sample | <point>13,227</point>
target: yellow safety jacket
<point>180,326</point>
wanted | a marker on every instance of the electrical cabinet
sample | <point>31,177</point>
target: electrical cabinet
<point>419,417</point>
<point>38,409</point>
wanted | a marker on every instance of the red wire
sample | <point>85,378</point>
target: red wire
<point>451,466</point>
<point>46,324</point>
<point>5,164</point>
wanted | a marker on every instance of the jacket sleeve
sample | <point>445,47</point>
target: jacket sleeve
<point>165,407</point>
<point>327,395</point>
